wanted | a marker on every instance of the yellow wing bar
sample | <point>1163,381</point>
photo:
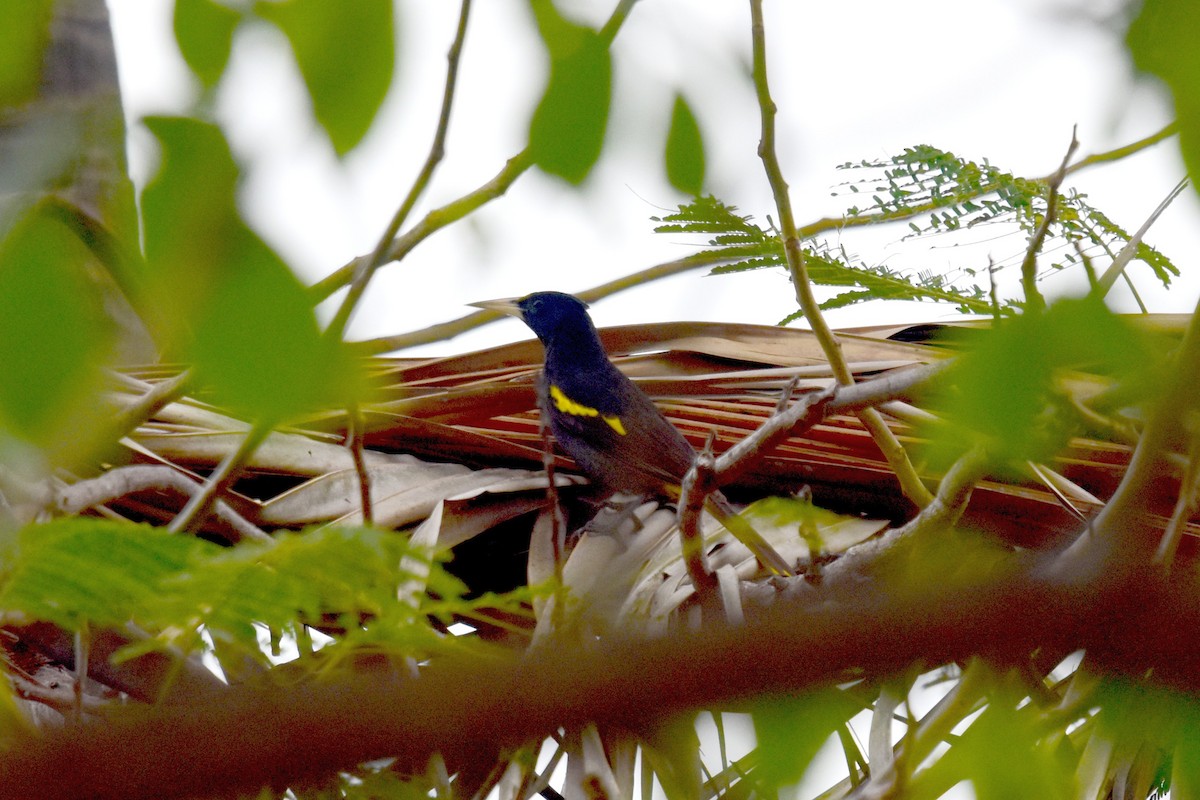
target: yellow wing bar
<point>569,406</point>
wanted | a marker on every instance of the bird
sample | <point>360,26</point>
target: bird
<point>611,429</point>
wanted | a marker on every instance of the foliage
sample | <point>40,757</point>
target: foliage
<point>321,528</point>
<point>937,193</point>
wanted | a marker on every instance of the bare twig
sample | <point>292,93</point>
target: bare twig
<point>159,396</point>
<point>448,330</point>
<point>354,441</point>
<point>814,407</point>
<point>1185,508</point>
<point>695,488</point>
<point>1124,151</point>
<point>1117,268</point>
<point>123,481</point>
<point>222,477</point>
<point>951,499</point>
<point>1033,296</point>
<point>365,268</point>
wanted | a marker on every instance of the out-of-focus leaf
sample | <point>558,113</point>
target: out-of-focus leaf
<point>23,37</point>
<point>227,299</point>
<point>83,570</point>
<point>685,150</point>
<point>1005,755</point>
<point>791,730</point>
<point>1162,40</point>
<point>346,52</point>
<point>566,133</point>
<point>204,32</point>
<point>54,337</point>
<point>999,393</point>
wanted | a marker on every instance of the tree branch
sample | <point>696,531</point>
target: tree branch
<point>124,481</point>
<point>891,448</point>
<point>365,268</point>
<point>1033,296</point>
<point>469,709</point>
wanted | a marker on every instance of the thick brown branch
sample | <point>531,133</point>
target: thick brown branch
<point>470,709</point>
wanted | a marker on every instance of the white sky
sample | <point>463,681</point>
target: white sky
<point>855,79</point>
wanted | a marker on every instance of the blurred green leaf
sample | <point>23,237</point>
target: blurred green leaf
<point>685,150</point>
<point>298,577</point>
<point>54,337</point>
<point>346,52</point>
<point>790,731</point>
<point>1002,392</point>
<point>1162,40</point>
<point>1005,755</point>
<point>204,30</point>
<point>566,134</point>
<point>23,38</point>
<point>228,302</point>
<point>81,570</point>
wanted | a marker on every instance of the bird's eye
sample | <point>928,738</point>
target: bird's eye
<point>533,306</point>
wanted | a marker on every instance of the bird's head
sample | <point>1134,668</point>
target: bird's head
<point>551,315</point>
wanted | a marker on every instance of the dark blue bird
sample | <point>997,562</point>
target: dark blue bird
<point>600,418</point>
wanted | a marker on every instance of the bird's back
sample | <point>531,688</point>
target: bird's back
<point>612,430</point>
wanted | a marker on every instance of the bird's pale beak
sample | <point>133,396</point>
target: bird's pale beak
<point>505,305</point>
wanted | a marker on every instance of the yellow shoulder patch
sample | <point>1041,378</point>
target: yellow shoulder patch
<point>569,406</point>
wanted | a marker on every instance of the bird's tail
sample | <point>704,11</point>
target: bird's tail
<point>720,507</point>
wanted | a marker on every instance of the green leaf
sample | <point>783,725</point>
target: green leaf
<point>1162,40</point>
<point>346,52</point>
<point>54,337</point>
<point>790,731</point>
<point>1000,393</point>
<point>23,38</point>
<point>566,134</point>
<point>204,31</point>
<point>685,150</point>
<point>228,302</point>
<point>1005,756</point>
<point>81,570</point>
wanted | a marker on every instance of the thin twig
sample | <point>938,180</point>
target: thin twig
<point>558,525</point>
<point>364,269</point>
<point>1117,153</point>
<point>83,642</point>
<point>783,204</point>
<point>432,222</point>
<point>814,407</point>
<point>951,499</point>
<point>448,330</point>
<point>1185,508</point>
<point>695,488</point>
<point>1106,281</point>
<point>891,448</point>
<point>225,474</point>
<point>124,481</point>
<point>354,441</point>
<point>1033,296</point>
<point>160,395</point>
